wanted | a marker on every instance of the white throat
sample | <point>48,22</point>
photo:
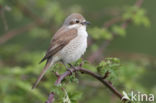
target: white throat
<point>81,29</point>
<point>77,26</point>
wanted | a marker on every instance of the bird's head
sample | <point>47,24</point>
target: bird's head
<point>75,20</point>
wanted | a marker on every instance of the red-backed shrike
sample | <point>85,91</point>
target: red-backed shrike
<point>68,44</point>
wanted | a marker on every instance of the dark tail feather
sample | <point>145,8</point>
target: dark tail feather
<point>43,59</point>
<point>47,66</point>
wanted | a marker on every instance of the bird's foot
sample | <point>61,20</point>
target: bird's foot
<point>71,66</point>
<point>74,69</point>
<point>70,71</point>
<point>56,73</point>
<point>81,64</point>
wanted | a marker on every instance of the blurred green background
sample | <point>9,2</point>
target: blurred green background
<point>26,28</point>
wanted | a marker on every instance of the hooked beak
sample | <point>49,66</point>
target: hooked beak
<point>85,23</point>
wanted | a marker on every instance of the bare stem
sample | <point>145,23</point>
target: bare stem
<point>50,98</point>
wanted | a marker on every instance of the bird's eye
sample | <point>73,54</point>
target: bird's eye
<point>77,21</point>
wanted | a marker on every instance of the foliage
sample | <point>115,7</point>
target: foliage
<point>19,56</point>
<point>98,33</point>
<point>138,15</point>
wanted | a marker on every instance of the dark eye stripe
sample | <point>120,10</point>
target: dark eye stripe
<point>71,22</point>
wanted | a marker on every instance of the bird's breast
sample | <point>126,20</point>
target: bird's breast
<point>75,48</point>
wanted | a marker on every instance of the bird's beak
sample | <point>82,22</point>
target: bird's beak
<point>85,23</point>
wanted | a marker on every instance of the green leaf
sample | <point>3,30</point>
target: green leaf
<point>146,21</point>
<point>119,30</point>
<point>109,65</point>
<point>100,33</point>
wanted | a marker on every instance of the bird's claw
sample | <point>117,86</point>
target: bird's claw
<point>70,71</point>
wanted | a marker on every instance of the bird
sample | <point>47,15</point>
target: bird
<point>67,45</point>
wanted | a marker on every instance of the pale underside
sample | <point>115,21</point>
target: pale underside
<point>74,49</point>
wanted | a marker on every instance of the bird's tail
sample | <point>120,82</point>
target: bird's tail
<point>47,66</point>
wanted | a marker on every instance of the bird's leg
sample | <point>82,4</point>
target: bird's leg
<point>67,68</point>
<point>56,73</point>
<point>76,73</point>
<point>71,65</point>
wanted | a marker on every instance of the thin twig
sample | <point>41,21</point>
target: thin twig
<point>4,20</point>
<point>112,21</point>
<point>106,75</point>
<point>50,98</point>
<point>7,36</point>
<point>12,33</point>
<point>27,12</point>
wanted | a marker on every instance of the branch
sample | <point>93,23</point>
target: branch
<point>27,12</point>
<point>50,98</point>
<point>95,55</point>
<point>12,33</point>
<point>4,20</point>
<point>86,71</point>
<point>112,21</point>
<point>5,37</point>
<point>92,74</point>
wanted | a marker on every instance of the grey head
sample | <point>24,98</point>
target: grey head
<point>75,18</point>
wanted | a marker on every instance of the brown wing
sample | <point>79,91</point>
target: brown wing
<point>60,39</point>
